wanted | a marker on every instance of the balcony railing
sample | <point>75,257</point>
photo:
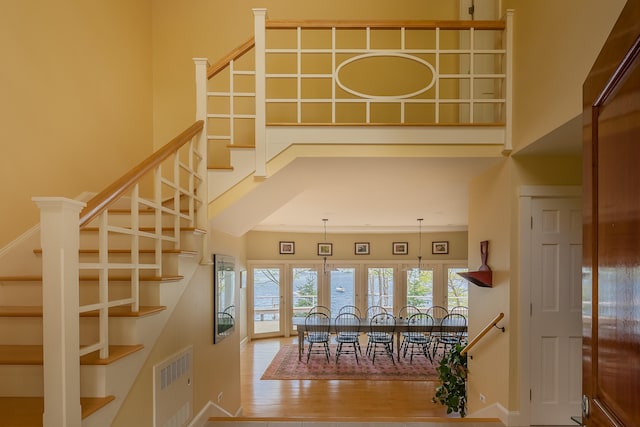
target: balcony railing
<point>355,73</point>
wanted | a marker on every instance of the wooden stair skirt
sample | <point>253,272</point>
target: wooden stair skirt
<point>27,411</point>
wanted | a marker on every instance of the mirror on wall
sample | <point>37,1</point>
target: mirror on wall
<point>224,284</point>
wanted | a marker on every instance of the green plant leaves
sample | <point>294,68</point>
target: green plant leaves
<point>452,372</point>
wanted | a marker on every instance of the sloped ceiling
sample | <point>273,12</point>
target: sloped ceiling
<point>358,195</point>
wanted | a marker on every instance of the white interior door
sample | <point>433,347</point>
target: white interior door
<point>556,333</point>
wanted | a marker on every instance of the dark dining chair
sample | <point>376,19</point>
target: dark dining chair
<point>350,309</point>
<point>382,327</point>
<point>317,326</point>
<point>347,326</point>
<point>448,339</point>
<point>404,314</point>
<point>419,337</point>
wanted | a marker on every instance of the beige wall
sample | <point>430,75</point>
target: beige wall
<point>75,103</point>
<point>216,367</point>
<point>186,29</point>
<point>263,245</point>
<point>555,44</point>
<point>491,219</point>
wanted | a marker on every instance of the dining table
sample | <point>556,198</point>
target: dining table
<point>401,325</point>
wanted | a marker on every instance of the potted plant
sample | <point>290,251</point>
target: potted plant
<point>452,372</point>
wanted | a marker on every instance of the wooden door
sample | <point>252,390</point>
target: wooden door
<point>611,262</point>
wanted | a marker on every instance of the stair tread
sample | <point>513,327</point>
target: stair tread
<point>121,311</point>
<point>32,355</point>
<point>152,229</point>
<point>27,411</point>
<point>128,251</point>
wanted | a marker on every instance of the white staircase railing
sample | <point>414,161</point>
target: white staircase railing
<point>159,197</point>
<point>301,73</point>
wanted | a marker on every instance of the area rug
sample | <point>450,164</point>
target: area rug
<point>285,366</point>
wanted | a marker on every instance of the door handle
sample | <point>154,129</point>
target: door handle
<point>585,406</point>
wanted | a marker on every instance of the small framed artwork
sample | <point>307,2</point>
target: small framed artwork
<point>325,249</point>
<point>400,248</point>
<point>287,248</point>
<point>439,247</point>
<point>361,248</point>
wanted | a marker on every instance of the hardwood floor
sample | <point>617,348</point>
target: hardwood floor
<point>328,399</point>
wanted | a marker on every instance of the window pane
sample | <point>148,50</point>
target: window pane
<point>305,290</point>
<point>266,300</point>
<point>380,287</point>
<point>342,282</point>
<point>420,288</point>
<point>457,288</point>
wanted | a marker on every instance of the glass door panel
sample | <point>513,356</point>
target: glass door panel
<point>342,288</point>
<point>380,287</point>
<point>267,290</point>
<point>420,288</point>
<point>305,290</point>
<point>457,288</point>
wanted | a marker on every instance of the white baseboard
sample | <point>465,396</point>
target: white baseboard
<point>211,410</point>
<point>508,418</point>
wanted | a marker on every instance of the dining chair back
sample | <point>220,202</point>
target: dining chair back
<point>320,309</point>
<point>407,311</point>
<point>317,326</point>
<point>419,337</point>
<point>373,310</point>
<point>460,309</point>
<point>350,309</point>
<point>382,327</point>
<point>437,312</point>
<point>347,326</point>
<point>448,339</point>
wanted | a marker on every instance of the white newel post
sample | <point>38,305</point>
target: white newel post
<point>201,114</point>
<point>260,16</point>
<point>60,240</point>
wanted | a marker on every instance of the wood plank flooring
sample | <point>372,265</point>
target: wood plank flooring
<point>328,399</point>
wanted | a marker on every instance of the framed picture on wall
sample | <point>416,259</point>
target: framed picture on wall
<point>325,249</point>
<point>400,248</point>
<point>361,248</point>
<point>287,248</point>
<point>439,247</point>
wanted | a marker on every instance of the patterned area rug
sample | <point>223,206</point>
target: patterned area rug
<point>285,366</point>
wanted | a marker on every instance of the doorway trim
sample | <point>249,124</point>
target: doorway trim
<point>526,194</point>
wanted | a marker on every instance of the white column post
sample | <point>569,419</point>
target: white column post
<point>260,16</point>
<point>508,138</point>
<point>60,240</point>
<point>203,186</point>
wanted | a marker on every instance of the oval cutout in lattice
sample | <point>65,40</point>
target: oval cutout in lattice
<point>385,75</point>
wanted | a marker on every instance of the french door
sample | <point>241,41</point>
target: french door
<point>268,294</point>
<point>304,290</point>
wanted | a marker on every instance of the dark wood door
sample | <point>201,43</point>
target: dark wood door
<point>611,262</point>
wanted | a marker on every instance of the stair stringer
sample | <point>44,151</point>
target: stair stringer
<point>118,378</point>
<point>243,161</point>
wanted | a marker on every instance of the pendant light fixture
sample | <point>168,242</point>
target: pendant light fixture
<point>325,249</point>
<point>420,244</point>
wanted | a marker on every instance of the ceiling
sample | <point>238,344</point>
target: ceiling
<point>359,195</point>
<point>375,194</point>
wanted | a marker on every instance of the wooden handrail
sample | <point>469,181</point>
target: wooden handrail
<point>111,194</point>
<point>483,333</point>
<point>231,56</point>
<point>446,25</point>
